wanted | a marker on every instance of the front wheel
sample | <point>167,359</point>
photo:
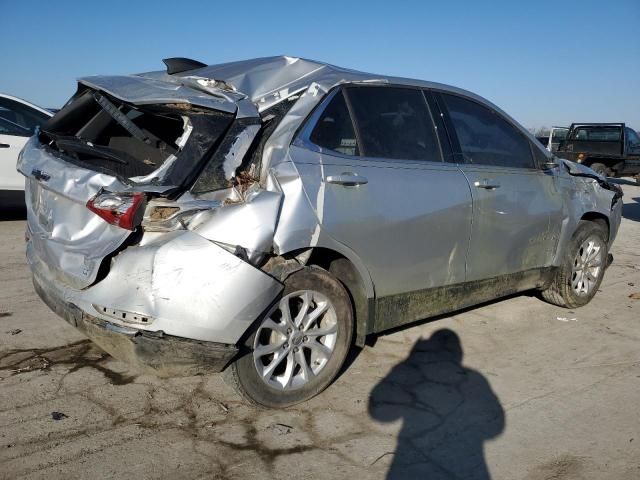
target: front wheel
<point>580,274</point>
<point>299,347</point>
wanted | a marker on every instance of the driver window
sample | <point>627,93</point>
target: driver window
<point>485,137</point>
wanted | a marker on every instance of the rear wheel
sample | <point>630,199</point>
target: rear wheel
<point>299,347</point>
<point>579,277</point>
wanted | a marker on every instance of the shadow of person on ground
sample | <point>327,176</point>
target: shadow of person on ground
<point>448,412</point>
<point>631,210</point>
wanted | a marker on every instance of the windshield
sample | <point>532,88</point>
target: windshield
<point>597,133</point>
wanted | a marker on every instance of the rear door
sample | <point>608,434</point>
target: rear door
<point>386,193</point>
<point>517,207</point>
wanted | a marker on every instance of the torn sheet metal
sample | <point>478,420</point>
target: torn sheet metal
<point>222,166</point>
<point>249,225</point>
<point>147,91</point>
<point>165,281</point>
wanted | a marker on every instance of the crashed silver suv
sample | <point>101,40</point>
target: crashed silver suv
<point>262,216</point>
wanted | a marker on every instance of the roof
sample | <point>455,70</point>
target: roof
<point>32,105</point>
<point>269,79</point>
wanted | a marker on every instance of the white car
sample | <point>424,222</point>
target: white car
<point>18,122</point>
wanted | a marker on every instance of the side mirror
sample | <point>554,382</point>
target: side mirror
<point>550,165</point>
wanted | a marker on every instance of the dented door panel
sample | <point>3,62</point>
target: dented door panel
<point>410,223</point>
<point>516,224</point>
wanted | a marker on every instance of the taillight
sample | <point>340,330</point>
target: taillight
<point>120,209</point>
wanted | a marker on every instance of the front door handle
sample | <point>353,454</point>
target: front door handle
<point>4,145</point>
<point>348,179</point>
<point>487,184</point>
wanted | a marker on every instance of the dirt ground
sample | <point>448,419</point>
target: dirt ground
<point>516,389</point>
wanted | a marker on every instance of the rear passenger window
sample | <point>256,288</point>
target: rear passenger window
<point>485,137</point>
<point>394,123</point>
<point>334,130</point>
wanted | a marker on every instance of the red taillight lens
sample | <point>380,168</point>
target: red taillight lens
<point>120,209</point>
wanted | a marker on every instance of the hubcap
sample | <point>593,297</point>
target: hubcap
<point>296,340</point>
<point>587,265</point>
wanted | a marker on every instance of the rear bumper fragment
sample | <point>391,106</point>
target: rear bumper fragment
<point>154,352</point>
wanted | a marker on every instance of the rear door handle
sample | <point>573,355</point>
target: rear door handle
<point>348,179</point>
<point>486,183</point>
<point>4,145</point>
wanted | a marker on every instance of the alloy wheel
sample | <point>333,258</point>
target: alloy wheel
<point>295,340</point>
<point>587,264</point>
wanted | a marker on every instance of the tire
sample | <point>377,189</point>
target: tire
<point>289,383</point>
<point>600,168</point>
<point>561,291</point>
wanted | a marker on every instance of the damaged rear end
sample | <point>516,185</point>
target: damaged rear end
<point>130,190</point>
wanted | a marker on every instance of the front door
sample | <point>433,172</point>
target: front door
<point>517,207</point>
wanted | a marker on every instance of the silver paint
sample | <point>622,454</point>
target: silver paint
<point>411,226</point>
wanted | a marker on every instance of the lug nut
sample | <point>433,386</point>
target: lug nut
<point>288,330</point>
<point>295,349</point>
<point>305,338</point>
<point>285,346</point>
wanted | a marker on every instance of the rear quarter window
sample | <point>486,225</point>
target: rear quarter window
<point>334,130</point>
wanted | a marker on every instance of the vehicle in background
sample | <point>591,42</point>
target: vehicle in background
<point>556,136</point>
<point>19,120</point>
<point>610,149</point>
<point>261,216</point>
<point>552,141</point>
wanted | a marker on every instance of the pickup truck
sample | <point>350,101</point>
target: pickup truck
<point>611,149</point>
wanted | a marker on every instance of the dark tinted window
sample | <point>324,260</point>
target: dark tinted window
<point>539,155</point>
<point>394,123</point>
<point>485,137</point>
<point>22,116</point>
<point>632,136</point>
<point>10,128</point>
<point>597,134</point>
<point>334,130</point>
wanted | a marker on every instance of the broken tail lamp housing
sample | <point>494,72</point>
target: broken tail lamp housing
<point>123,210</point>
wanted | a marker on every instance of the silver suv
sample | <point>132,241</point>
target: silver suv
<point>262,216</point>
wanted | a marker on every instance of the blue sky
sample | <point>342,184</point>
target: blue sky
<point>544,62</point>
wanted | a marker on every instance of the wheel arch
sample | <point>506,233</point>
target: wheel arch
<point>597,217</point>
<point>353,276</point>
